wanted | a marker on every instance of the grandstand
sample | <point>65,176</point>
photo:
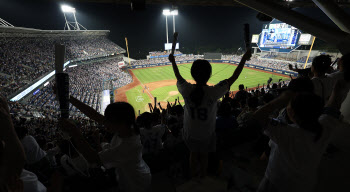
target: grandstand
<point>27,55</point>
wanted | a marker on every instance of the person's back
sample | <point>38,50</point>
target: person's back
<point>295,157</point>
<point>241,94</point>
<point>200,109</point>
<point>323,85</point>
<point>133,172</point>
<point>199,121</point>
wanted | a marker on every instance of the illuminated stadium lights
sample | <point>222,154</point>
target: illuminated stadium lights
<point>168,12</point>
<point>174,12</point>
<point>70,25</point>
<point>67,9</point>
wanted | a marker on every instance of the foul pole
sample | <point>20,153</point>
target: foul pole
<point>127,49</point>
<point>307,59</point>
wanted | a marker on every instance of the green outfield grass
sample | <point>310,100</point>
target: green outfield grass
<point>164,93</point>
<point>250,78</point>
<point>138,99</point>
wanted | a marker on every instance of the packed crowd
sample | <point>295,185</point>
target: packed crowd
<point>295,127</point>
<point>27,58</point>
<point>162,53</point>
<point>165,60</point>
<point>87,81</point>
<point>275,64</point>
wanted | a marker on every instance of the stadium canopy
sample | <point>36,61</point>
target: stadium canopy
<point>288,3</point>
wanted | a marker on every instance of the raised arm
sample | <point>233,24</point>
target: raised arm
<point>262,114</point>
<point>235,75</point>
<point>175,68</point>
<point>87,110</point>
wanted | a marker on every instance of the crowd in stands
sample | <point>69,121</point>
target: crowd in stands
<point>165,60</point>
<point>162,53</point>
<point>303,59</point>
<point>274,64</point>
<point>24,59</point>
<point>297,128</point>
<point>87,81</point>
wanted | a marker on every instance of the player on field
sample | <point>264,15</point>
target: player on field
<point>200,109</point>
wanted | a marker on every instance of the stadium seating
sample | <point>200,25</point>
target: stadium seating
<point>86,84</point>
<point>24,59</point>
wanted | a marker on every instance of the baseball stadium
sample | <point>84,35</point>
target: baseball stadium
<point>160,83</point>
<point>157,95</point>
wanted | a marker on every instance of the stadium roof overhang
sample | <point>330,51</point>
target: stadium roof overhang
<point>21,31</point>
<point>287,3</point>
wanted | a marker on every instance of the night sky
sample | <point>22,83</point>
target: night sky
<point>198,26</point>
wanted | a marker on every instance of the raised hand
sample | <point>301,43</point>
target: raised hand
<point>171,58</point>
<point>247,55</point>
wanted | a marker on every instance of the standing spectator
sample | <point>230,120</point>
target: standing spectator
<point>241,95</point>
<point>200,109</point>
<point>322,84</point>
<point>296,149</point>
<point>125,150</point>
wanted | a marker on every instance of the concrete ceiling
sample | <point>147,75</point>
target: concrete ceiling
<point>292,4</point>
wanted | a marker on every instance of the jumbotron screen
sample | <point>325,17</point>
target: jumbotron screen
<point>278,37</point>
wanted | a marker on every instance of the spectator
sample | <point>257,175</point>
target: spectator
<point>125,150</point>
<point>200,109</point>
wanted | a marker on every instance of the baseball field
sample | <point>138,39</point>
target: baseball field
<point>160,82</point>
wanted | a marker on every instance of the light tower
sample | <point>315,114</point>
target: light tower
<point>5,23</point>
<point>168,12</point>
<point>71,25</point>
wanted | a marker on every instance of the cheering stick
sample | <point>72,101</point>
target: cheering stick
<point>155,102</point>
<point>336,61</point>
<point>174,42</point>
<point>62,81</point>
<point>246,36</point>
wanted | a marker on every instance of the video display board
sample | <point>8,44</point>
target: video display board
<point>279,37</point>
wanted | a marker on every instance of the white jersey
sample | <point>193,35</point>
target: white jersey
<point>200,121</point>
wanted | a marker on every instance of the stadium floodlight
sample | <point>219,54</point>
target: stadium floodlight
<point>5,23</point>
<point>67,9</point>
<point>166,12</point>
<point>70,25</point>
<point>174,12</point>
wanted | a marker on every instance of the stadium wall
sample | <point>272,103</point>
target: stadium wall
<point>277,71</point>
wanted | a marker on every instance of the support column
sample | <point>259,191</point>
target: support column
<point>166,26</point>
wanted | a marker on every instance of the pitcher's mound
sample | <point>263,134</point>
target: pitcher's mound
<point>171,93</point>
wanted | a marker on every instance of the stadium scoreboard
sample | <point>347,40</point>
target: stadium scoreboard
<point>277,37</point>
